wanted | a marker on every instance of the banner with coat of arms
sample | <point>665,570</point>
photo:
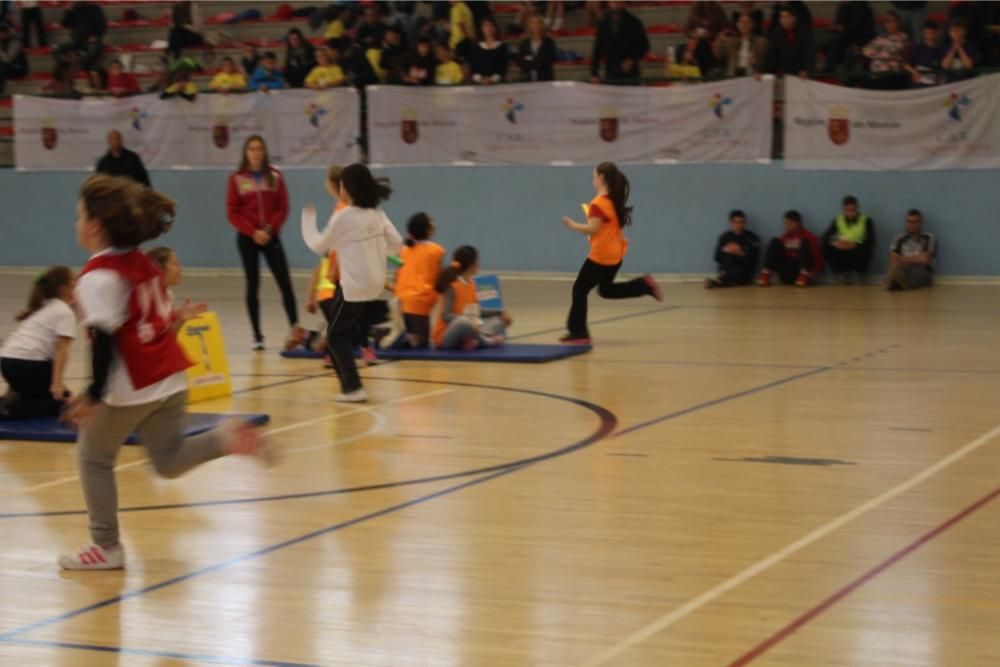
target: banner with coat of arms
<point>302,128</point>
<point>566,122</point>
<point>956,126</point>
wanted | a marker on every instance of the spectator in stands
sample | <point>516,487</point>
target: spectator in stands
<point>31,17</point>
<point>978,17</point>
<point>962,56</point>
<point>799,9</point>
<point>250,60</point>
<point>185,28</point>
<point>371,28</point>
<point>327,73</point>
<point>180,85</point>
<point>229,79</point>
<point>13,59</point>
<point>790,49</point>
<point>794,256</point>
<point>736,251</point>
<point>63,83</point>
<point>341,17</point>
<point>848,243</point>
<point>912,15</point>
<point>448,72</point>
<point>418,69</point>
<point>697,52</point>
<point>120,161</point>
<point>300,58</point>
<point>853,27</point>
<point>490,58</point>
<point>743,53</point>
<point>87,25</point>
<point>536,54</point>
<point>621,43</point>
<point>392,55</point>
<point>925,59</point>
<point>267,76</point>
<point>756,17</point>
<point>461,25</point>
<point>355,62</point>
<point>706,19</point>
<point>120,82</point>
<point>911,257</point>
<point>888,54</point>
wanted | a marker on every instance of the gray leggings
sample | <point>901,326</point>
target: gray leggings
<point>160,425</point>
<point>461,329</point>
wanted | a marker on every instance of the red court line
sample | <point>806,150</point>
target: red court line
<point>810,615</point>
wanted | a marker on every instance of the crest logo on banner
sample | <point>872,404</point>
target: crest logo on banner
<point>608,125</point>
<point>314,111</point>
<point>510,109</point>
<point>719,102</point>
<point>409,128</point>
<point>136,115</point>
<point>50,134</point>
<point>838,126</point>
<point>955,103</point>
<point>220,132</point>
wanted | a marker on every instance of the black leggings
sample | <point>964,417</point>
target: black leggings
<point>602,277</point>
<point>274,253</point>
<point>30,380</point>
<point>343,317</point>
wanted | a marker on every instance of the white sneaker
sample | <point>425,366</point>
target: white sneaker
<point>356,396</point>
<point>244,439</point>
<point>94,557</point>
<point>258,345</point>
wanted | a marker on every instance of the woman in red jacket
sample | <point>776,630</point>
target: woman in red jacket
<point>257,205</point>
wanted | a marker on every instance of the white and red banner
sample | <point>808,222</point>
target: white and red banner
<point>956,126</point>
<point>302,128</point>
<point>567,122</point>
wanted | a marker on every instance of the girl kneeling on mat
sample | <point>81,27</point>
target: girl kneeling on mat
<point>463,325</point>
<point>416,280</point>
<point>139,379</point>
<point>34,357</point>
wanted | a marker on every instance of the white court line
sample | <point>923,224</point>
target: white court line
<point>752,571</point>
<point>274,431</point>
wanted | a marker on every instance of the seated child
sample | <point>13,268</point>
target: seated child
<point>462,324</point>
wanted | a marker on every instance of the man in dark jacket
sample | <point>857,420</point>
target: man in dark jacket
<point>86,24</point>
<point>853,27</point>
<point>13,60</point>
<point>736,253</point>
<point>791,50</point>
<point>120,161</point>
<point>621,42</point>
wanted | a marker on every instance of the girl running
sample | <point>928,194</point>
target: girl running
<point>417,278</point>
<point>138,367</point>
<point>463,325</point>
<point>364,238</point>
<point>607,217</point>
<point>34,357</point>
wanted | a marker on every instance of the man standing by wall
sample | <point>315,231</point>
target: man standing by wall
<point>120,161</point>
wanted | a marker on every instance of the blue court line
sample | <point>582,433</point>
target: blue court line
<point>617,318</point>
<point>212,659</point>
<point>606,426</point>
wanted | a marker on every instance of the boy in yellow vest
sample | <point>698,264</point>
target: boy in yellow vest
<point>848,243</point>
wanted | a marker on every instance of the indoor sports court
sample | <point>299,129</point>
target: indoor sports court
<point>775,477</point>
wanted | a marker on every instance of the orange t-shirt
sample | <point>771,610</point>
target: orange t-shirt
<point>415,280</point>
<point>465,294</point>
<point>607,246</point>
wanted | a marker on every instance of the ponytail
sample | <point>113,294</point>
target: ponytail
<point>365,190</point>
<point>47,286</point>
<point>463,258</point>
<point>130,213</point>
<point>618,191</point>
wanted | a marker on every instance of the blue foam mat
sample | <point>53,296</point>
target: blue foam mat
<point>302,353</point>
<point>509,353</point>
<point>50,430</point>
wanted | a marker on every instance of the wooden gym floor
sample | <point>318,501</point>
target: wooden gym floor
<point>783,477</point>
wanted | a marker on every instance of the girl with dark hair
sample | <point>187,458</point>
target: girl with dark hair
<point>139,370</point>
<point>300,58</point>
<point>463,325</point>
<point>34,357</point>
<point>416,280</point>
<point>607,216</point>
<point>364,239</point>
<point>257,205</point>
<point>490,56</point>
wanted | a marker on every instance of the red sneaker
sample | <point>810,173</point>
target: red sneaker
<point>764,279</point>
<point>654,289</point>
<point>575,340</point>
<point>802,280</point>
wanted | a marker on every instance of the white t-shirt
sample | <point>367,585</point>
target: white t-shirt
<point>363,239</point>
<point>36,337</point>
<point>103,298</point>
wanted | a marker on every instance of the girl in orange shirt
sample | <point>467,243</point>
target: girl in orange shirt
<point>607,216</point>
<point>416,280</point>
<point>463,325</point>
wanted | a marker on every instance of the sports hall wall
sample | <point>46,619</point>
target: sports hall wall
<point>512,214</point>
